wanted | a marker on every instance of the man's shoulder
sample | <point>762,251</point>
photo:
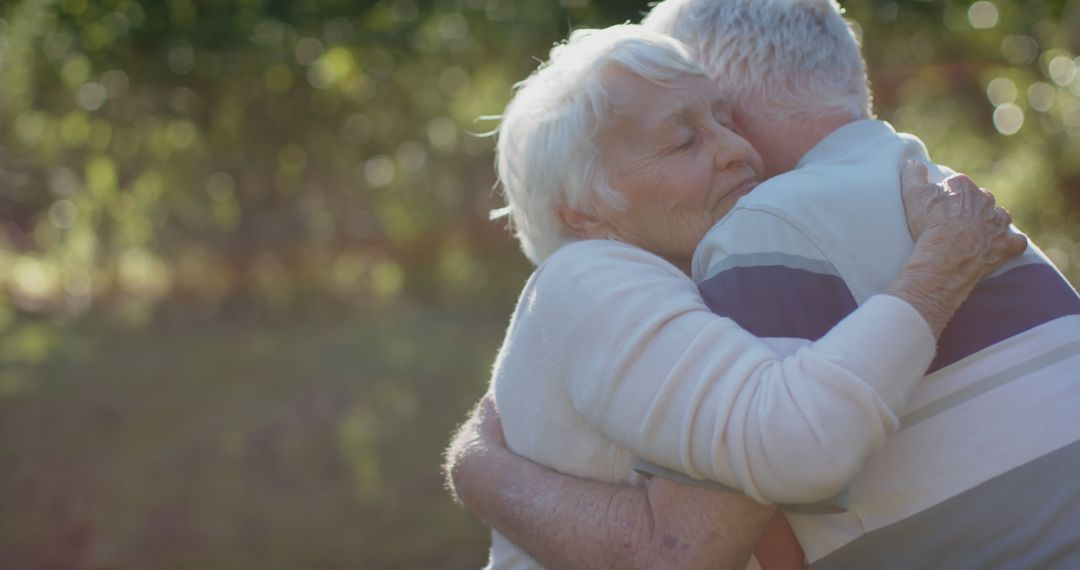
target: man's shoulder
<point>844,186</point>
<point>820,202</point>
<point>863,157</point>
<point>864,175</point>
<point>841,204</point>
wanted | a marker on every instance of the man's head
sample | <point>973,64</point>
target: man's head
<point>791,68</point>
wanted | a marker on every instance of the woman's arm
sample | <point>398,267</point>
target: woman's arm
<point>565,522</point>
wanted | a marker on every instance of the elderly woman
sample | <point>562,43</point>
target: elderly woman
<point>616,157</point>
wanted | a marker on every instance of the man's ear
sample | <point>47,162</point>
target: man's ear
<point>581,224</point>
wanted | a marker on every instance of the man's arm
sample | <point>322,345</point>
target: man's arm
<point>565,522</point>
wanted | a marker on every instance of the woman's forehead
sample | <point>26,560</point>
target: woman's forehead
<point>640,104</point>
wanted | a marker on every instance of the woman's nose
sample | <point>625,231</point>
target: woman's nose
<point>731,148</point>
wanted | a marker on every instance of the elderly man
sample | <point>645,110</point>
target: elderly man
<point>982,471</point>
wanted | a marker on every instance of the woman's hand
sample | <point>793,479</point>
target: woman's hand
<point>960,236</point>
<point>959,221</point>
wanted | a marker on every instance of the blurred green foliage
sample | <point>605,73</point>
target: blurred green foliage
<point>247,279</point>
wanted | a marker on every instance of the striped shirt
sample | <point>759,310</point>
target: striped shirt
<point>984,471</point>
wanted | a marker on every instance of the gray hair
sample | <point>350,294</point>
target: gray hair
<point>546,154</point>
<point>793,56</point>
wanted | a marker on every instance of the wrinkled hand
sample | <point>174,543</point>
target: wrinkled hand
<point>480,434</point>
<point>959,221</point>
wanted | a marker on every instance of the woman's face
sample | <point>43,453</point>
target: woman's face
<point>671,153</point>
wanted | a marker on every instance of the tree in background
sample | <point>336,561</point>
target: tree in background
<point>279,151</point>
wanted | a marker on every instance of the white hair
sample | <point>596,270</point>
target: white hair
<point>546,155</point>
<point>787,58</point>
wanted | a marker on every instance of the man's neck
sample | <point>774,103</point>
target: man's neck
<point>783,145</point>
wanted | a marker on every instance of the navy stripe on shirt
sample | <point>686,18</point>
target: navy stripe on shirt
<point>1004,306</point>
<point>783,301</point>
<point>779,301</point>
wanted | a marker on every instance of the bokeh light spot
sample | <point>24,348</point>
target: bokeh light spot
<point>33,277</point>
<point>1001,90</point>
<point>1041,96</point>
<point>92,96</point>
<point>1008,119</point>
<point>1062,70</point>
<point>442,132</point>
<point>983,15</point>
<point>335,65</point>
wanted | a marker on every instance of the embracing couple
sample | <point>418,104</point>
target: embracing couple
<point>765,329</point>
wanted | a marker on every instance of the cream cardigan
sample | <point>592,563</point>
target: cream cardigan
<point>611,354</point>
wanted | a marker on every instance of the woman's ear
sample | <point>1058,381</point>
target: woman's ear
<point>581,224</point>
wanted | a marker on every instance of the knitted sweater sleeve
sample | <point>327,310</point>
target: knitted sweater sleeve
<point>649,366</point>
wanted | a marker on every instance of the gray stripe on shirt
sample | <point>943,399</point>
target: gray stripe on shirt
<point>989,383</point>
<point>773,258</point>
<point>1028,517</point>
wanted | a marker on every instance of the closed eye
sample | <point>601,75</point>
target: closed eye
<point>688,140</point>
<point>722,114</point>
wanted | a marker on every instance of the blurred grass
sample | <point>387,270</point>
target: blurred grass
<point>251,443</point>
